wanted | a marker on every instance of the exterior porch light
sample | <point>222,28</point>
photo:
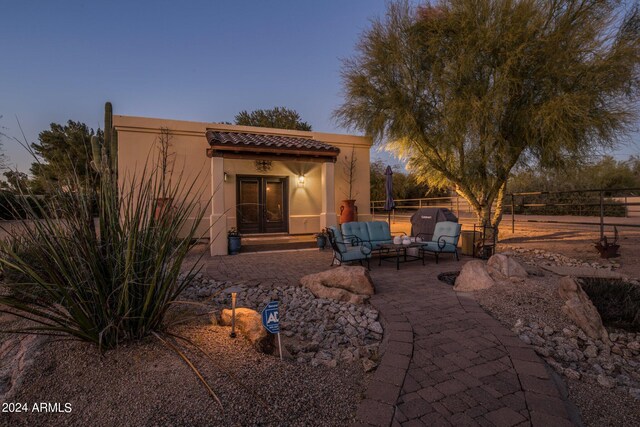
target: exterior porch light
<point>226,177</point>
<point>300,180</point>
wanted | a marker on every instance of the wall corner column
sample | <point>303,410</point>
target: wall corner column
<point>218,218</point>
<point>328,214</point>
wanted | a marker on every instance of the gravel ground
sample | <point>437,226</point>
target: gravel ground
<point>536,301</point>
<point>147,384</point>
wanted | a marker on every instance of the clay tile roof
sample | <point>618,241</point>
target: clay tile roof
<point>285,144</point>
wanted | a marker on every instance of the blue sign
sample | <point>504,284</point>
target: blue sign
<point>270,318</point>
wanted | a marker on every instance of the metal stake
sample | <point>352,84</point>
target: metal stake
<point>233,314</point>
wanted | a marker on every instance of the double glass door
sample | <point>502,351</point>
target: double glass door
<point>262,204</point>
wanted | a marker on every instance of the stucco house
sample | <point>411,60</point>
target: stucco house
<point>259,180</point>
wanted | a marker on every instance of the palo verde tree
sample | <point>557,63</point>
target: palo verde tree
<point>465,90</point>
<point>277,117</point>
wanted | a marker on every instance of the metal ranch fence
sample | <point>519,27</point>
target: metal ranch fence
<point>592,207</point>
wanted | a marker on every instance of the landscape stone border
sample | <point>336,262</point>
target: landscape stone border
<point>383,391</point>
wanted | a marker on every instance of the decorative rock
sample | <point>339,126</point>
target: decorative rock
<point>572,374</point>
<point>376,327</point>
<point>543,351</point>
<point>473,277</point>
<point>605,381</point>
<point>591,351</point>
<point>368,365</point>
<point>581,310</point>
<point>249,323</point>
<point>505,266</point>
<point>524,338</point>
<point>344,283</point>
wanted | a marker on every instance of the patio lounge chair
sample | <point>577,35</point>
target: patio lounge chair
<point>444,240</point>
<point>355,249</point>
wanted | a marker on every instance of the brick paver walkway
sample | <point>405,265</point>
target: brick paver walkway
<point>446,361</point>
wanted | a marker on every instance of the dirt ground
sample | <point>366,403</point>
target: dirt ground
<point>575,241</point>
<point>578,243</point>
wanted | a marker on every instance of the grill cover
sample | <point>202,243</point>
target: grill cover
<point>425,219</point>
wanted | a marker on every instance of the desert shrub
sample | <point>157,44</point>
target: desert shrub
<point>103,280</point>
<point>21,283</point>
<point>618,302</point>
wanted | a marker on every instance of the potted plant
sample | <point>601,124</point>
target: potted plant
<point>606,249</point>
<point>348,209</point>
<point>234,241</point>
<point>321,239</point>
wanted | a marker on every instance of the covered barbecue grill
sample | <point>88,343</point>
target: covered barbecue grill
<point>425,219</point>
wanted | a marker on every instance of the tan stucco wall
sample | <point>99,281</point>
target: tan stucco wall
<point>138,142</point>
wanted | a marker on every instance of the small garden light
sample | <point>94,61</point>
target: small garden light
<point>233,314</point>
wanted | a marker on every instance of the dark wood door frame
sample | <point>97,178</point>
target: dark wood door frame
<point>262,225</point>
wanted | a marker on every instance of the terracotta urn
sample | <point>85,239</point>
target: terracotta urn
<point>348,211</point>
<point>163,207</point>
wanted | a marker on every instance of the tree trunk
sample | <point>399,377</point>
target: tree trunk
<point>497,215</point>
<point>484,214</point>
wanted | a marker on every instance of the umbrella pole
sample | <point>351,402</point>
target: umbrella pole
<point>389,219</point>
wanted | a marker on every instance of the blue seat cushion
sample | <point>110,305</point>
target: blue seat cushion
<point>355,228</point>
<point>450,230</point>
<point>354,253</point>
<point>433,247</point>
<point>378,231</point>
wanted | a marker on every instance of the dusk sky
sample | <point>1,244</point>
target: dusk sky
<point>188,60</point>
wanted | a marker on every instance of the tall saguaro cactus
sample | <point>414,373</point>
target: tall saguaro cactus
<point>105,152</point>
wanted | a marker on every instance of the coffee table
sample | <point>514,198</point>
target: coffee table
<point>391,252</point>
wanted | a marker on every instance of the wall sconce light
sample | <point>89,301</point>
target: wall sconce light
<point>300,180</point>
<point>226,177</point>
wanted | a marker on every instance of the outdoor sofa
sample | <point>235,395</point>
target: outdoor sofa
<point>377,233</point>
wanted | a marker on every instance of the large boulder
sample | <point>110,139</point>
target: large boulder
<point>18,353</point>
<point>581,310</point>
<point>344,283</point>
<point>473,277</point>
<point>249,324</point>
<point>505,266</point>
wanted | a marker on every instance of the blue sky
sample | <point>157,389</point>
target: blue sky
<point>202,61</point>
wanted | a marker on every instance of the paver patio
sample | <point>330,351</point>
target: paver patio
<point>446,361</point>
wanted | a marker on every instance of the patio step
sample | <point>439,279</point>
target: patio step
<point>276,242</point>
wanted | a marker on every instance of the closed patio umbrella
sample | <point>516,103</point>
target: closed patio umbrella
<point>389,204</point>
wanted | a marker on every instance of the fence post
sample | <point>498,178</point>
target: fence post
<point>626,207</point>
<point>601,215</point>
<point>513,214</point>
<point>419,203</point>
<point>458,206</point>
